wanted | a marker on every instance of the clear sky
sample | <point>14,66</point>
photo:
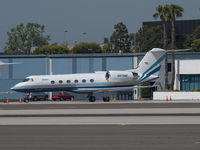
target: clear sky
<point>95,17</point>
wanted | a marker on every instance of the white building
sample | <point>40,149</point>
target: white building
<point>187,71</point>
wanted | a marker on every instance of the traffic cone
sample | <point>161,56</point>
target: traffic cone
<point>20,100</point>
<point>170,99</point>
<point>167,98</point>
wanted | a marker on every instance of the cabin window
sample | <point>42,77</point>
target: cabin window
<point>83,80</point>
<point>91,80</point>
<point>68,81</point>
<point>60,81</point>
<point>76,81</point>
<point>52,82</point>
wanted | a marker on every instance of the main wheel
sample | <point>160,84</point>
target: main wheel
<point>92,99</point>
<point>106,99</point>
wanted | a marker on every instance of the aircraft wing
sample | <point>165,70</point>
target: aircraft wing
<point>111,89</point>
<point>2,65</point>
<point>9,92</point>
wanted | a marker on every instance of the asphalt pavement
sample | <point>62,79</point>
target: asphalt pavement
<point>97,126</point>
<point>99,105</point>
<point>100,137</point>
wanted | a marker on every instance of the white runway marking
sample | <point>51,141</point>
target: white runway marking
<point>103,116</point>
<point>99,120</point>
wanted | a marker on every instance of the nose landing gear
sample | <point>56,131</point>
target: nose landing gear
<point>92,98</point>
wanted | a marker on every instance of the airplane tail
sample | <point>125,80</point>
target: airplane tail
<point>150,65</point>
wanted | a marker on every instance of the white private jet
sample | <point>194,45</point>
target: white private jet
<point>101,81</point>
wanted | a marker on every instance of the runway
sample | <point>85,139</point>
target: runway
<point>100,116</point>
<point>99,105</point>
<point>85,126</point>
<point>98,137</point>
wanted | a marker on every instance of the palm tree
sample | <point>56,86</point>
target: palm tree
<point>161,12</point>
<point>174,11</point>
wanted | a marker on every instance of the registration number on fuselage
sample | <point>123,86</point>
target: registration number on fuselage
<point>122,76</point>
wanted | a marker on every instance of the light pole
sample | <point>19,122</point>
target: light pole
<point>84,34</point>
<point>65,37</point>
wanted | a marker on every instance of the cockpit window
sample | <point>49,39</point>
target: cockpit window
<point>28,79</point>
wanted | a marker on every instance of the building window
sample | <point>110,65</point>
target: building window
<point>52,82</point>
<point>189,82</point>
<point>76,81</point>
<point>83,80</point>
<point>60,81</point>
<point>68,81</point>
<point>169,67</point>
<point>91,80</point>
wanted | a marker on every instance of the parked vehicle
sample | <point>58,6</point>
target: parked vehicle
<point>35,97</point>
<point>62,96</point>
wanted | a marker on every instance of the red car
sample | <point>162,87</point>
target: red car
<point>62,96</point>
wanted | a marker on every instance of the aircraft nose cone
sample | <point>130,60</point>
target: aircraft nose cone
<point>13,88</point>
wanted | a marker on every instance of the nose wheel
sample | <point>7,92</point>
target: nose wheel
<point>92,99</point>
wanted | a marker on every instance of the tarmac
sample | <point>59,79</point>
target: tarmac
<point>151,125</point>
<point>100,137</point>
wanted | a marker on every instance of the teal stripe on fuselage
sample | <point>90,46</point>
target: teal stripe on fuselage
<point>82,85</point>
<point>70,89</point>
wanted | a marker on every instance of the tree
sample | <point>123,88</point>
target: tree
<point>196,45</point>
<point>52,49</point>
<point>22,38</point>
<point>120,38</point>
<point>174,11</point>
<point>194,36</point>
<point>107,48</point>
<point>106,40</point>
<point>87,48</point>
<point>161,12</point>
<point>148,38</point>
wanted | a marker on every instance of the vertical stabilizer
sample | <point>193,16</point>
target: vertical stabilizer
<point>150,65</point>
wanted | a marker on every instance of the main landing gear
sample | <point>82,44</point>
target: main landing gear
<point>93,98</point>
<point>106,98</point>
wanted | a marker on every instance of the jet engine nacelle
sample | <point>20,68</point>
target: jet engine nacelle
<point>121,76</point>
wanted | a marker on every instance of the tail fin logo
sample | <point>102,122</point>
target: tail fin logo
<point>150,71</point>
